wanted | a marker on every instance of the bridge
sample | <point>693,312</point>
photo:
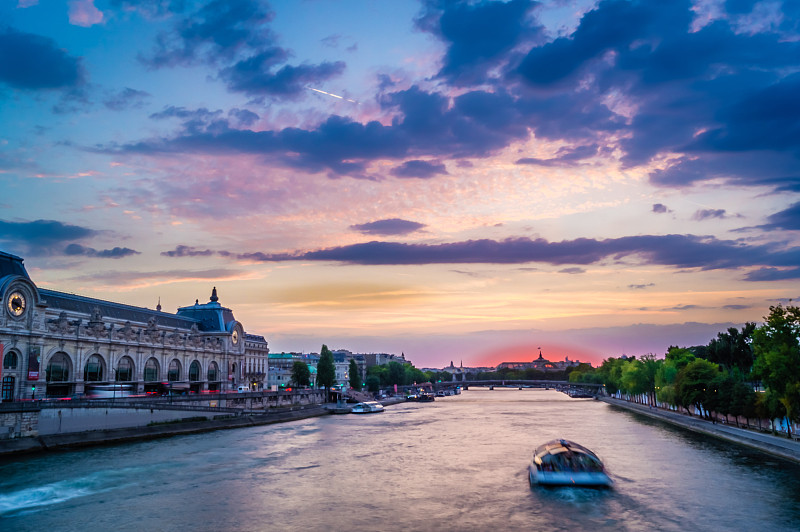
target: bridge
<point>589,387</point>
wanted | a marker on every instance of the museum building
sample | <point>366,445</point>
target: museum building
<point>55,344</point>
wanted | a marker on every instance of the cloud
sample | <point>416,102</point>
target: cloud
<point>640,286</point>
<point>33,62</point>
<point>773,274</point>
<point>187,251</point>
<point>574,270</point>
<point>41,237</point>
<point>115,253</point>
<point>478,35</point>
<point>84,13</point>
<point>419,169</point>
<point>235,37</point>
<point>660,208</point>
<point>126,99</point>
<point>680,251</point>
<point>705,214</point>
<point>566,156</point>
<point>788,219</point>
<point>391,226</point>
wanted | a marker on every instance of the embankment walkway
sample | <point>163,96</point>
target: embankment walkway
<point>781,447</point>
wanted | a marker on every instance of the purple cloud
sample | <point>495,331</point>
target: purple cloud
<point>41,237</point>
<point>187,251</point>
<point>705,214</point>
<point>564,156</point>
<point>126,99</point>
<point>660,208</point>
<point>391,226</point>
<point>115,253</point>
<point>788,219</point>
<point>681,251</point>
<point>33,62</point>
<point>419,169</point>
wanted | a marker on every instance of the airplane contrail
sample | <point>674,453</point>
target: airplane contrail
<point>333,95</point>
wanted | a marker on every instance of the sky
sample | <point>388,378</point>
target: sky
<point>466,181</point>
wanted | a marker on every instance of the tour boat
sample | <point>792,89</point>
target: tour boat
<point>565,463</point>
<point>369,407</point>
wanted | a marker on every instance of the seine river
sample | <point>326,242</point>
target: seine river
<point>457,464</point>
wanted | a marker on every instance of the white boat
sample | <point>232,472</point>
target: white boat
<point>565,463</point>
<point>368,407</point>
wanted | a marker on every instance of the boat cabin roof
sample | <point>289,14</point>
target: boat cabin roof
<point>557,447</point>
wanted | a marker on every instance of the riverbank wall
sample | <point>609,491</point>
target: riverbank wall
<point>778,446</point>
<point>113,436</point>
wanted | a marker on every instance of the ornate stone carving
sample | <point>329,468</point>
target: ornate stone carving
<point>95,327</point>
<point>60,325</point>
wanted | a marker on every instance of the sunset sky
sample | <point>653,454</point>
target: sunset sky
<point>465,181</point>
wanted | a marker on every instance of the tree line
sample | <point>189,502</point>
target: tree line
<point>751,373</point>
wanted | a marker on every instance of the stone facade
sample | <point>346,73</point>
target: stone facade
<point>58,344</point>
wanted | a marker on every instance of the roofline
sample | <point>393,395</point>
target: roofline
<point>44,291</point>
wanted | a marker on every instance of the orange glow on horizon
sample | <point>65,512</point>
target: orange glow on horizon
<point>530,352</point>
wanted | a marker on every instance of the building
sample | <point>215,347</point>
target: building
<point>256,361</point>
<point>377,359</point>
<point>280,368</point>
<point>58,344</point>
<point>541,364</point>
<point>341,362</point>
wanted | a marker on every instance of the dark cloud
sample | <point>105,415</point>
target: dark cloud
<point>33,62</point>
<point>737,307</point>
<point>151,8</point>
<point>251,77</point>
<point>478,35</point>
<point>235,38</point>
<point>786,219</point>
<point>115,253</point>
<point>773,274</point>
<point>719,101</point>
<point>391,226</point>
<point>640,286</point>
<point>187,251</point>
<point>126,99</point>
<point>660,208</point>
<point>573,271</point>
<point>564,156</point>
<point>419,169</point>
<point>41,237</point>
<point>705,214</point>
<point>680,251</point>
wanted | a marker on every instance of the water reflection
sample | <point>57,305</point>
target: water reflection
<point>458,463</point>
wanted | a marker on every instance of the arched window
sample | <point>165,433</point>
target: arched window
<point>151,370</point>
<point>59,367</point>
<point>10,360</point>
<point>194,371</point>
<point>125,370</point>
<point>174,372</point>
<point>93,372</point>
<point>213,372</point>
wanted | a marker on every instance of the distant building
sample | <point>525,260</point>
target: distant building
<point>59,344</point>
<point>280,365</point>
<point>541,364</point>
<point>378,359</point>
<point>341,361</point>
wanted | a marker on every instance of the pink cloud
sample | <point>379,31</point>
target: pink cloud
<point>84,13</point>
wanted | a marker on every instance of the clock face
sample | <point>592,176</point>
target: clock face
<point>235,337</point>
<point>16,303</point>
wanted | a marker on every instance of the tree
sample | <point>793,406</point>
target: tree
<point>355,375</point>
<point>733,349</point>
<point>776,346</point>
<point>326,370</point>
<point>373,383</point>
<point>301,375</point>
<point>693,385</point>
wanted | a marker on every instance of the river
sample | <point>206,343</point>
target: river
<point>459,463</point>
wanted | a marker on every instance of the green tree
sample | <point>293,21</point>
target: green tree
<point>693,385</point>
<point>355,375</point>
<point>326,370</point>
<point>776,346</point>
<point>733,349</point>
<point>301,375</point>
<point>373,383</point>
